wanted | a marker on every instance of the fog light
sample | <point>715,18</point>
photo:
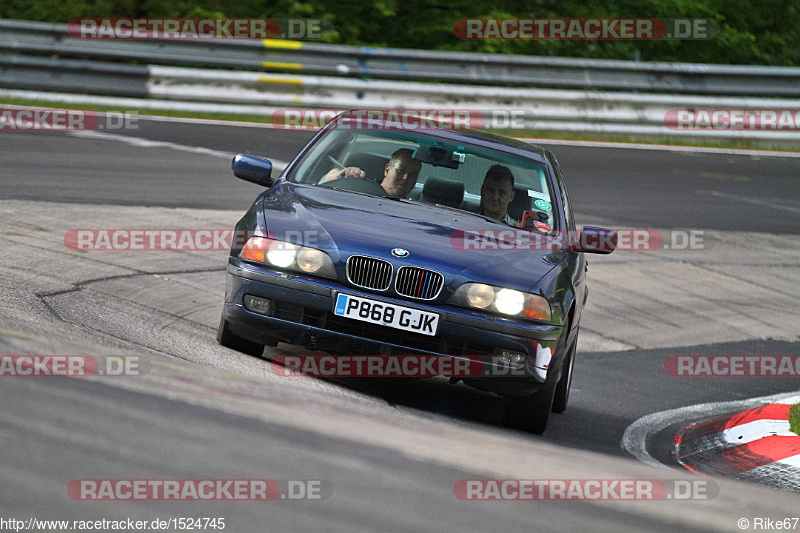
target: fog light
<point>258,305</point>
<point>510,358</point>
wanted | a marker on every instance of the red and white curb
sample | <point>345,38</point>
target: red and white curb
<point>755,444</point>
<point>757,439</point>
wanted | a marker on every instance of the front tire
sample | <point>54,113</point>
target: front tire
<point>233,341</point>
<point>530,413</point>
<point>565,383</point>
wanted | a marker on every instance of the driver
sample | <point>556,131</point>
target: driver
<point>399,176</point>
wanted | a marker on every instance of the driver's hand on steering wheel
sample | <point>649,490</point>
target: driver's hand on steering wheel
<point>347,172</point>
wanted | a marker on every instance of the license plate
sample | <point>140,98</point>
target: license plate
<point>386,314</point>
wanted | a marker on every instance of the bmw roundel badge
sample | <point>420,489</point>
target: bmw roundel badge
<point>399,252</point>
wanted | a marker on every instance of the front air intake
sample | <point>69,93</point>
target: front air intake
<point>369,273</point>
<point>418,283</point>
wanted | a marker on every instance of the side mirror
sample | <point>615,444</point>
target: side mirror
<point>595,241</point>
<point>253,169</point>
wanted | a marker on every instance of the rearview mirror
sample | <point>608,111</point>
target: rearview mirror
<point>595,241</point>
<point>253,169</point>
<point>439,156</point>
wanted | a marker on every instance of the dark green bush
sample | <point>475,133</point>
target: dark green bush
<point>764,33</point>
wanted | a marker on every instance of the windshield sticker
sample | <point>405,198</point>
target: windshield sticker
<point>542,226</point>
<point>540,195</point>
<point>541,204</point>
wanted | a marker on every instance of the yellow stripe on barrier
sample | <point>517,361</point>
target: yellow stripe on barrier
<point>280,43</point>
<point>284,66</point>
<point>293,81</point>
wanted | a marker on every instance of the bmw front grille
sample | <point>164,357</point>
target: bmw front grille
<point>418,283</point>
<point>369,273</point>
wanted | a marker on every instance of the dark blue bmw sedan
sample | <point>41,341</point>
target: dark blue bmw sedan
<point>417,241</point>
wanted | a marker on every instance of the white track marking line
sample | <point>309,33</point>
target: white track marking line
<point>750,201</point>
<point>147,143</point>
<point>634,440</point>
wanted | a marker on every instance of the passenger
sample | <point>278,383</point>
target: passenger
<point>497,192</point>
<point>399,176</point>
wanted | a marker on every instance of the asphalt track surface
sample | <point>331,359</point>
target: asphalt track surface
<point>54,430</point>
<point>650,188</point>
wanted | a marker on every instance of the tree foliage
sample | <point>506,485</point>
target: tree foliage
<point>765,33</point>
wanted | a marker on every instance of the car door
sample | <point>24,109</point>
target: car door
<point>578,271</point>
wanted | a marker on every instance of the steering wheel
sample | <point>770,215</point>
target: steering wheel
<point>335,161</point>
<point>364,185</point>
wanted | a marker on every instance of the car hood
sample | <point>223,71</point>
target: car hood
<point>344,223</point>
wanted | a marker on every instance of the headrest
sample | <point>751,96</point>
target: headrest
<point>442,191</point>
<point>372,164</point>
<point>520,204</point>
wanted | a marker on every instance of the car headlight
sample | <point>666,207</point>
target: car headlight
<point>509,302</point>
<point>480,295</point>
<point>502,300</point>
<point>310,260</point>
<point>290,256</point>
<point>282,254</point>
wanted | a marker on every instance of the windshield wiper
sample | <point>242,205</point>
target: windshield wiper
<point>485,217</point>
<point>399,199</point>
<point>354,192</point>
<point>449,208</point>
<point>461,211</point>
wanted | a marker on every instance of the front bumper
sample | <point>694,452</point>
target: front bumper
<point>302,314</point>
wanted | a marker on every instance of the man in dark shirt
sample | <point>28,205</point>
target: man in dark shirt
<point>399,176</point>
<point>496,193</point>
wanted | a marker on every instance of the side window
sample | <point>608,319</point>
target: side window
<point>564,196</point>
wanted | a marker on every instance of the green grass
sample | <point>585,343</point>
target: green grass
<point>794,418</point>
<point>748,144</point>
<point>142,111</point>
<point>539,134</point>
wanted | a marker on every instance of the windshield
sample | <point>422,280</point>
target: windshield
<point>410,165</point>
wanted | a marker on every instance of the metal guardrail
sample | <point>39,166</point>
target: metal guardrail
<point>75,76</point>
<point>403,64</point>
<point>43,73</point>
<point>239,92</point>
<point>205,85</point>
